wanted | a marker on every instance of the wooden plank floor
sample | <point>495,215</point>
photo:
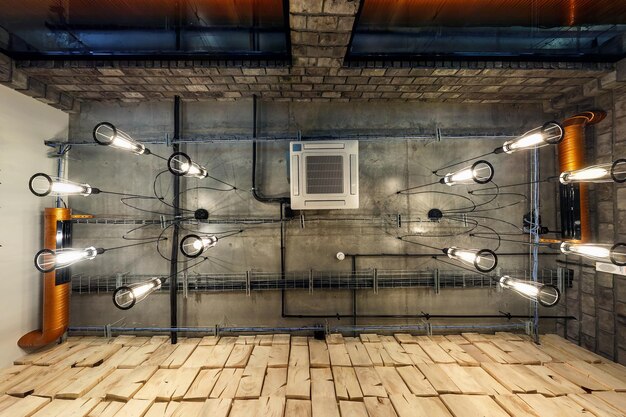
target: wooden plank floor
<point>373,375</point>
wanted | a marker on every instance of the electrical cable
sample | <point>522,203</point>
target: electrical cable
<point>458,163</point>
<point>162,199</point>
<point>134,244</point>
<point>404,191</point>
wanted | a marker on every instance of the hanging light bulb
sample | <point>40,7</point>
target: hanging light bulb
<point>550,133</point>
<point>615,172</point>
<point>615,254</point>
<point>544,294</point>
<point>106,134</point>
<point>484,260</point>
<point>481,172</point>
<point>181,164</point>
<point>127,296</point>
<point>43,185</point>
<point>48,260</point>
<point>193,246</point>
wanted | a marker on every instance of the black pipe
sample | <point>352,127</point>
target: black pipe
<point>428,316</point>
<point>354,315</point>
<point>431,255</point>
<point>177,215</point>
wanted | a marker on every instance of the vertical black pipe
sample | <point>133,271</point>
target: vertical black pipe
<point>174,257</point>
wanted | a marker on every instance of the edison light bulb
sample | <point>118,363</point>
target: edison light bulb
<point>602,252</point>
<point>43,185</point>
<point>546,295</point>
<point>549,134</point>
<point>48,260</point>
<point>193,246</point>
<point>612,172</point>
<point>181,164</point>
<point>484,260</point>
<point>127,296</point>
<point>481,172</point>
<point>106,134</point>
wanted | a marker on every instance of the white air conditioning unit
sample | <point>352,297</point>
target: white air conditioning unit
<point>324,175</point>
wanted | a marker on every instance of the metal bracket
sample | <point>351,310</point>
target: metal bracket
<point>375,284</point>
<point>217,330</point>
<point>310,281</point>
<point>436,281</point>
<point>248,285</point>
<point>438,134</point>
<point>185,285</point>
<point>302,221</point>
<point>399,220</point>
<point>107,331</point>
<point>326,328</point>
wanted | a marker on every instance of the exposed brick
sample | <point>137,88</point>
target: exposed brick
<point>305,6</point>
<point>321,23</point>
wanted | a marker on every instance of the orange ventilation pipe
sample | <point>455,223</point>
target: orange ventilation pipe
<point>56,298</point>
<point>572,157</point>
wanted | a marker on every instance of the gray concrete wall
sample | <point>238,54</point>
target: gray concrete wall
<point>386,166</point>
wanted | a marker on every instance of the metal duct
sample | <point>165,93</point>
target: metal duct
<point>56,298</point>
<point>574,203</point>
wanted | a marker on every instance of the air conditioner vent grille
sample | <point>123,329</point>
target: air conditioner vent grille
<point>324,174</point>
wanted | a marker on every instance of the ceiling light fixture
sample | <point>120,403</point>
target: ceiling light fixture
<point>108,135</point>
<point>481,172</point>
<point>180,164</point>
<point>544,294</point>
<point>126,296</point>
<point>610,172</point>
<point>43,185</point>
<point>550,133</point>
<point>484,260</point>
<point>193,246</point>
<point>615,254</point>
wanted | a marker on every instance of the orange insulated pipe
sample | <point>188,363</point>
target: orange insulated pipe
<point>572,157</point>
<point>56,298</point>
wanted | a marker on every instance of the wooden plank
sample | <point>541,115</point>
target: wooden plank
<point>275,383</point>
<point>76,408</point>
<point>486,381</point>
<point>574,376</point>
<point>251,383</point>
<point>216,407</point>
<point>457,353</point>
<point>134,408</point>
<point>220,355</point>
<point>472,405</point>
<point>477,354</point>
<point>270,407</point>
<point>245,340</point>
<point>160,354</point>
<point>562,386</point>
<point>138,356</point>
<point>244,408</point>
<point>379,407</point>
<point>322,385</point>
<point>299,356</point>
<point>202,386</point>
<point>412,406</point>
<point>299,341</point>
<point>188,409</point>
<point>530,349</point>
<point>41,377</point>
<point>162,409</point>
<point>510,379</point>
<point>168,384</point>
<point>358,354</point>
<point>51,387</point>
<point>553,407</point>
<point>264,339</point>
<point>7,401</point>
<point>279,356</point>
<point>436,353</point>
<point>599,375</point>
<point>458,339</point>
<point>377,354</point>
<point>298,408</point>
<point>30,358</point>
<point>370,382</point>
<point>260,356</point>
<point>209,341</point>
<point>509,336</point>
<point>85,380</point>
<point>281,339</point>
<point>114,378</point>
<point>369,338</point>
<point>615,369</point>
<point>565,345</point>
<point>352,409</point>
<point>462,379</point>
<point>239,356</point>
<point>335,339</point>
<point>298,382</point>
<point>391,380</point>
<point>614,399</point>
<point>417,354</point>
<point>98,355</point>
<point>27,374</point>
<point>226,341</point>
<point>543,385</point>
<point>416,381</point>
<point>496,354</point>
<point>515,406</point>
<point>474,337</point>
<point>346,384</point>
<point>178,357</point>
<point>64,351</point>
<point>598,408</point>
<point>405,338</point>
<point>397,353</point>
<point>106,409</point>
<point>227,383</point>
<point>318,354</point>
<point>556,354</point>
<point>339,355</point>
<point>199,357</point>
<point>439,380</point>
<point>127,387</point>
<point>25,407</point>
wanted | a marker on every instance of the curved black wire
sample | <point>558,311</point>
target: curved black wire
<point>458,163</point>
<point>162,199</point>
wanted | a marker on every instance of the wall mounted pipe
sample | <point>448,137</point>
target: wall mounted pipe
<point>56,298</point>
<point>572,157</point>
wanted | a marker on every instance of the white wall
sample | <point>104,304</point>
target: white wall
<point>24,124</point>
